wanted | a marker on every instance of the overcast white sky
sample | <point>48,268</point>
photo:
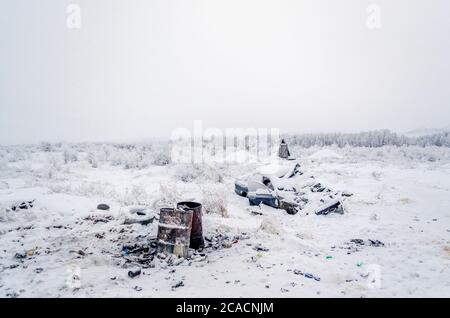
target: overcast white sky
<point>138,69</point>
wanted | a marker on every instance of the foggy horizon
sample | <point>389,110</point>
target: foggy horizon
<point>132,73</point>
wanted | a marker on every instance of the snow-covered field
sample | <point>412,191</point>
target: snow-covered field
<point>64,247</point>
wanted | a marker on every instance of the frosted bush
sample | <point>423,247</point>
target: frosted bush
<point>169,196</point>
<point>137,195</point>
<point>130,158</point>
<point>215,200</point>
<point>88,189</point>
<point>159,154</point>
<point>115,157</point>
<point>52,166</point>
<point>191,173</point>
<point>161,158</point>
<point>105,152</point>
<point>61,188</point>
<point>186,173</point>
<point>46,146</point>
<point>16,154</point>
<point>69,154</point>
<point>271,225</point>
<point>92,159</point>
<point>3,163</point>
<point>140,159</point>
<point>7,215</point>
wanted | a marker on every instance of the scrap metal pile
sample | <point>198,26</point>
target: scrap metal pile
<point>287,187</point>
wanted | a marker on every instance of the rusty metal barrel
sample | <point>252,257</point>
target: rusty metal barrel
<point>197,240</point>
<point>174,231</point>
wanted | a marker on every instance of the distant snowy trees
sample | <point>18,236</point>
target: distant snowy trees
<point>373,139</point>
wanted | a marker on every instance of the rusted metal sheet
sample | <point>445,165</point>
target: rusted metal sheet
<point>197,240</point>
<point>174,231</point>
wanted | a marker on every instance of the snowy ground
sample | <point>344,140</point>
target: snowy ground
<point>65,247</point>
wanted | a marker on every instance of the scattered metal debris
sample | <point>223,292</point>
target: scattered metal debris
<point>333,206</point>
<point>99,218</point>
<point>376,243</point>
<point>307,275</point>
<point>356,245</point>
<point>219,240</point>
<point>177,285</point>
<point>260,248</point>
<point>20,255</point>
<point>23,205</point>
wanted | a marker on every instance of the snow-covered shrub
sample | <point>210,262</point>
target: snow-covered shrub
<point>169,195</point>
<point>130,158</point>
<point>46,146</point>
<point>186,173</point>
<point>16,154</point>
<point>88,189</point>
<point>196,172</point>
<point>3,160</point>
<point>136,195</point>
<point>92,159</point>
<point>4,215</point>
<point>138,159</point>
<point>161,158</point>
<point>61,187</point>
<point>69,154</point>
<point>52,166</point>
<point>7,215</point>
<point>105,152</point>
<point>271,225</point>
<point>159,154</point>
<point>215,199</point>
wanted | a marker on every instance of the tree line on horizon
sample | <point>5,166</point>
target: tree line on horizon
<point>375,138</point>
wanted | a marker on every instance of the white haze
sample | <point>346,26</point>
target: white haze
<point>138,69</point>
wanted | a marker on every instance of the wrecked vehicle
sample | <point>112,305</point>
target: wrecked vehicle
<point>285,186</point>
<point>263,188</point>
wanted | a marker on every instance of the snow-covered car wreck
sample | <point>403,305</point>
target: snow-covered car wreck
<point>285,186</point>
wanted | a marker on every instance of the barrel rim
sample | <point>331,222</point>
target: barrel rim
<point>164,210</point>
<point>190,204</point>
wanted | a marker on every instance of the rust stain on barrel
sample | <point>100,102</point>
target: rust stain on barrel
<point>174,231</point>
<point>197,240</point>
